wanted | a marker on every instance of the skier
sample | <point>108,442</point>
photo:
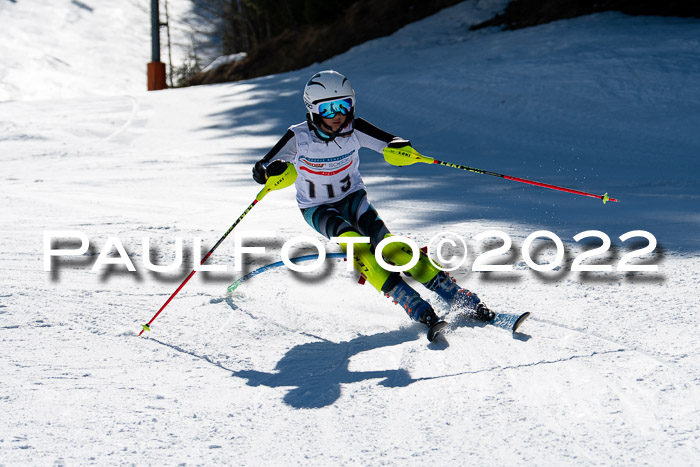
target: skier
<point>332,197</point>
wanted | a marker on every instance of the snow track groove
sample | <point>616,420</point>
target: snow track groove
<point>129,121</point>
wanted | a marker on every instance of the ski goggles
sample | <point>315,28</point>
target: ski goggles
<point>331,108</point>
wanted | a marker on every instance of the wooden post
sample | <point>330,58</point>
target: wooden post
<point>156,76</point>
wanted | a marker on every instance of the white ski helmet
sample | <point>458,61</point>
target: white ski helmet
<point>326,94</point>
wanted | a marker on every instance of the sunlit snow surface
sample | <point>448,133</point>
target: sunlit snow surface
<point>315,369</point>
<point>69,48</point>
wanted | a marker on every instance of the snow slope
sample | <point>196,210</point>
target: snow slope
<point>63,48</point>
<point>315,369</point>
<point>72,48</point>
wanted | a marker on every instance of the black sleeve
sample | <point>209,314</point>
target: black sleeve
<point>372,131</point>
<point>278,147</point>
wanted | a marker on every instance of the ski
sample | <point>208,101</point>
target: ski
<point>267,267</point>
<point>436,329</point>
<point>520,320</point>
<point>509,321</point>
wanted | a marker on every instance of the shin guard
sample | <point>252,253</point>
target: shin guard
<point>400,253</point>
<point>365,262</point>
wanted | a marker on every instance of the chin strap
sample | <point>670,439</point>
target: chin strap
<point>331,135</point>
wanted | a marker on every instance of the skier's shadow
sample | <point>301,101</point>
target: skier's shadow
<point>317,369</point>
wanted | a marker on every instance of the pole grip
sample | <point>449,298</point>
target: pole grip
<point>405,156</point>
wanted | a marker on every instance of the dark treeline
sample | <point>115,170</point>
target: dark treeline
<point>284,35</point>
<point>526,13</point>
<point>243,25</point>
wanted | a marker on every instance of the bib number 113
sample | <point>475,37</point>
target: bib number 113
<point>344,186</point>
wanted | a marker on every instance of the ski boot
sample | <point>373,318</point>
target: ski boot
<point>417,309</point>
<point>435,324</point>
<point>458,298</point>
<point>483,313</point>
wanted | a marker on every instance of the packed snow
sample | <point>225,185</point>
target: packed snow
<point>314,368</point>
<point>61,49</point>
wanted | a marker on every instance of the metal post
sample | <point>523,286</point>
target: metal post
<point>155,32</point>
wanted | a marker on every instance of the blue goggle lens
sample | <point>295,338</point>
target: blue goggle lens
<point>329,109</point>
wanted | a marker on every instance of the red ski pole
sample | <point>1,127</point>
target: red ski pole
<point>274,182</point>
<point>408,156</point>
